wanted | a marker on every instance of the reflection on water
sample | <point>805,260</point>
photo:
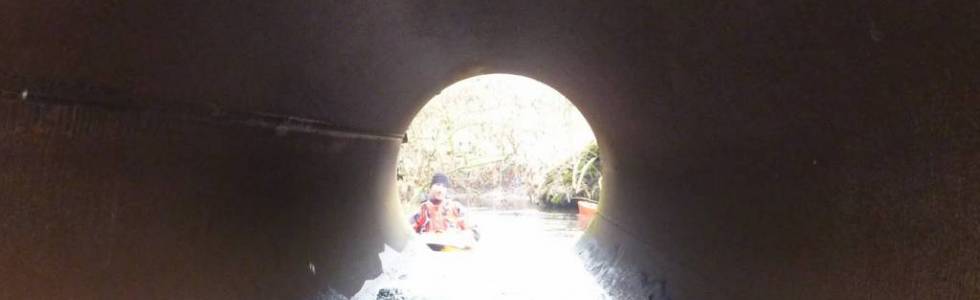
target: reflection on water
<point>547,228</point>
<point>525,254</point>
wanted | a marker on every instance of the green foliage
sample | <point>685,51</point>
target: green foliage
<point>579,178</point>
<point>490,134</point>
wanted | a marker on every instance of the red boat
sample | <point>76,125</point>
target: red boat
<point>586,211</point>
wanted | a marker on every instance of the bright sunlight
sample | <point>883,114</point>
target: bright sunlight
<point>498,178</point>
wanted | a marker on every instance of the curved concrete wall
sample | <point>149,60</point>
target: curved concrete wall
<point>756,150</point>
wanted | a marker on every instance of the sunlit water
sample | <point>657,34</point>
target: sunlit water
<point>523,254</point>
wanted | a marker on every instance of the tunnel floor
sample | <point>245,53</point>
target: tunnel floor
<point>523,254</point>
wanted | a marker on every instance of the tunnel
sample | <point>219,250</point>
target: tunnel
<point>751,149</point>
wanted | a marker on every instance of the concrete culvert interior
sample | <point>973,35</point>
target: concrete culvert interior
<point>751,150</point>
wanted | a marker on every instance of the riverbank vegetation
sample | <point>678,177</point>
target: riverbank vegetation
<point>506,141</point>
<point>579,178</point>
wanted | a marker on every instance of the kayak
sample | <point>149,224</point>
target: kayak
<point>450,241</point>
<point>586,211</point>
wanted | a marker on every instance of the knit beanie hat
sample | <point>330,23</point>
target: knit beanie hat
<point>440,178</point>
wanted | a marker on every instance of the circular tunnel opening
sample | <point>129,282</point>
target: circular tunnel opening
<point>498,177</point>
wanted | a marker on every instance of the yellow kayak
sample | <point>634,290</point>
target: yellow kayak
<point>449,241</point>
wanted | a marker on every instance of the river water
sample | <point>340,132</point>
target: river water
<point>522,254</point>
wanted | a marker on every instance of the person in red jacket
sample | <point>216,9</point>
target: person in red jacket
<point>439,213</point>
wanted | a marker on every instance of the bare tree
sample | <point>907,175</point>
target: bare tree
<point>494,132</point>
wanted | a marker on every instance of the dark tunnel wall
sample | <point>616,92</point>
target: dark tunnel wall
<point>143,205</point>
<point>753,150</point>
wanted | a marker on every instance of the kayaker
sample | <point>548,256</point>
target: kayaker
<point>439,213</point>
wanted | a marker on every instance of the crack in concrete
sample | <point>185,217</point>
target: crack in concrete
<point>280,124</point>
